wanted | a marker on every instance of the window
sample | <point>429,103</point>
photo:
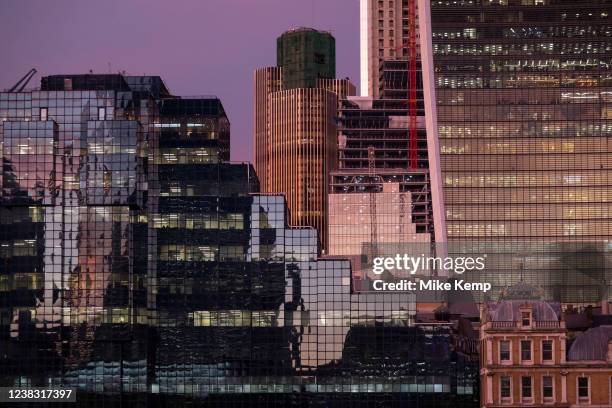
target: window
<point>583,389</point>
<point>526,350</point>
<point>232,253</point>
<point>526,318</point>
<point>504,387</point>
<point>526,387</point>
<point>101,113</point>
<point>547,388</point>
<point>547,350</point>
<point>44,112</point>
<point>504,350</point>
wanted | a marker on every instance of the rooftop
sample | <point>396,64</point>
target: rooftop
<point>305,29</point>
<point>592,345</point>
<point>510,311</point>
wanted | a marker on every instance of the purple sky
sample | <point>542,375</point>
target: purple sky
<point>199,47</point>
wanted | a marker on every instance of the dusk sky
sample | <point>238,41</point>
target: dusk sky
<point>199,47</point>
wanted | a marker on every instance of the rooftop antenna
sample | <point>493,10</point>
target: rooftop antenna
<point>373,211</point>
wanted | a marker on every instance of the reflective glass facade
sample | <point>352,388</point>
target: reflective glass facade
<point>139,267</point>
<point>73,265</point>
<point>524,96</point>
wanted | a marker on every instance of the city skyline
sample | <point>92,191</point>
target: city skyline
<point>200,207</point>
<point>169,276</point>
<point>82,43</point>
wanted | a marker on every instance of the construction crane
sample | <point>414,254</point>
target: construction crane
<point>373,220</point>
<point>411,47</point>
<point>412,86</point>
<point>21,84</point>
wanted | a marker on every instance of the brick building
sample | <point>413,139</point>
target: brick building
<point>530,358</point>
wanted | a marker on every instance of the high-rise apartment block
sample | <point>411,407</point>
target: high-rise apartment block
<point>296,104</point>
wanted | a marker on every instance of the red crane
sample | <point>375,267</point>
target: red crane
<point>411,46</point>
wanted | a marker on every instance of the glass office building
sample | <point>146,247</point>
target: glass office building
<point>139,267</point>
<point>73,263</point>
<point>524,93</point>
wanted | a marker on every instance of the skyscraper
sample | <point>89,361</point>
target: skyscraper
<point>388,149</point>
<point>522,115</point>
<point>295,130</point>
<point>524,93</point>
<point>74,258</point>
<point>384,32</point>
<point>306,55</point>
<point>93,165</point>
<point>139,267</point>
